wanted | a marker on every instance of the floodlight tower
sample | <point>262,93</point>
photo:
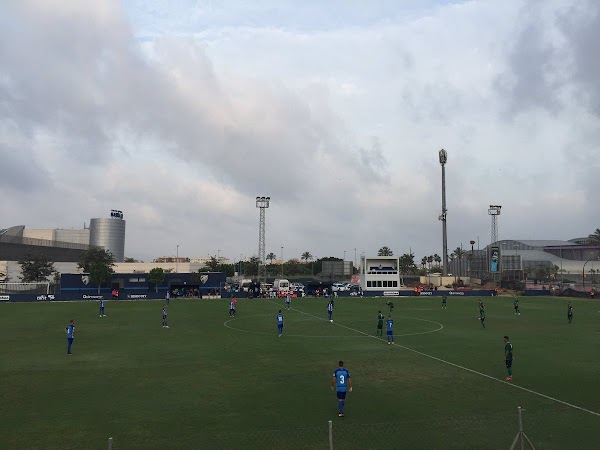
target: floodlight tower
<point>262,203</point>
<point>494,211</point>
<point>443,158</point>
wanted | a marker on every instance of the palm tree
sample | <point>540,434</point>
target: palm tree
<point>306,256</point>
<point>595,237</point>
<point>459,253</point>
<point>424,261</point>
<point>385,251</point>
<point>430,260</point>
<point>271,256</point>
<point>437,259</point>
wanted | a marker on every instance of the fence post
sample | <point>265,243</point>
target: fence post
<point>330,435</point>
<point>110,441</point>
<point>521,436</point>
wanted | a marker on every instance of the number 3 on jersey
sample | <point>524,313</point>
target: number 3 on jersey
<point>342,379</point>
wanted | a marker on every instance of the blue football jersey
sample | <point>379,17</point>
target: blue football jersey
<point>390,324</point>
<point>341,379</point>
<point>330,307</point>
<point>101,303</point>
<point>279,319</point>
<point>70,331</point>
<point>165,312</point>
<point>231,305</point>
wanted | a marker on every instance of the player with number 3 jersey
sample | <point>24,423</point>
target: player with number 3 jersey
<point>342,383</point>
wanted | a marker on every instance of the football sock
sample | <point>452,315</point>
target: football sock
<point>510,371</point>
<point>341,406</point>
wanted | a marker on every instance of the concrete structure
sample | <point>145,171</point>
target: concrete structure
<point>379,273</point>
<point>337,269</point>
<point>109,233</point>
<point>62,245</point>
<point>14,245</point>
<point>73,236</point>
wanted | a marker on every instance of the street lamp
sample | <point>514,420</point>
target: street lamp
<point>443,156</point>
<point>583,271</point>
<point>218,255</point>
<point>472,242</point>
<point>518,262</point>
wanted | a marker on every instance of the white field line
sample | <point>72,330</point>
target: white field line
<point>516,386</point>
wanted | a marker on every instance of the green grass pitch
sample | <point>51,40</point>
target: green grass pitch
<point>211,382</point>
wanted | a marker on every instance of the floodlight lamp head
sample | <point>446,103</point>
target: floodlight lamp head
<point>443,154</point>
<point>494,210</point>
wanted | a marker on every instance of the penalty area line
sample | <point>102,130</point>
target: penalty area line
<point>516,386</point>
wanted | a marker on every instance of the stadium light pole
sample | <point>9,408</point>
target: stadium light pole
<point>282,261</point>
<point>177,260</point>
<point>443,156</point>
<point>262,203</point>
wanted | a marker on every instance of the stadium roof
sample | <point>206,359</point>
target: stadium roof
<point>544,242</point>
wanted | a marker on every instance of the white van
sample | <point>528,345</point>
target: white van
<point>281,285</point>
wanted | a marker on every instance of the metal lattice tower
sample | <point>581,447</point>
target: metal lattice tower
<point>443,155</point>
<point>262,203</point>
<point>494,211</point>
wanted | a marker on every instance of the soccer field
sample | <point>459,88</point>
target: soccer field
<point>213,382</point>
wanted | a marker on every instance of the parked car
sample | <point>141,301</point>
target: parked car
<point>339,287</point>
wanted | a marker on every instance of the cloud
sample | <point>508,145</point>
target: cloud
<point>180,117</point>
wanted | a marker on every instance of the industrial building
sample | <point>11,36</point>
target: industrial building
<point>63,246</point>
<point>522,258</point>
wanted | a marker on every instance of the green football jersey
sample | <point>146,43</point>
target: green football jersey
<point>444,298</point>
<point>380,320</point>
<point>570,310</point>
<point>508,348</point>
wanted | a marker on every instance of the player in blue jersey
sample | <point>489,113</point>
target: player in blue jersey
<point>232,307</point>
<point>70,331</point>
<point>390,329</point>
<point>342,383</point>
<point>288,299</point>
<point>165,324</point>
<point>330,310</point>
<point>280,323</point>
<point>102,307</point>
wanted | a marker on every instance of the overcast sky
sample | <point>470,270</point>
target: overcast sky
<point>179,113</point>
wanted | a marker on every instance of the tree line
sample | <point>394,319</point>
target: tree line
<point>99,264</point>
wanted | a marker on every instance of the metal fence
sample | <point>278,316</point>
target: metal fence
<point>25,288</point>
<point>436,433</point>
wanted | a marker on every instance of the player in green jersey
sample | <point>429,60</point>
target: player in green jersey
<point>482,313</point>
<point>508,357</point>
<point>444,298</point>
<point>570,312</point>
<point>379,331</point>
<point>516,305</point>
